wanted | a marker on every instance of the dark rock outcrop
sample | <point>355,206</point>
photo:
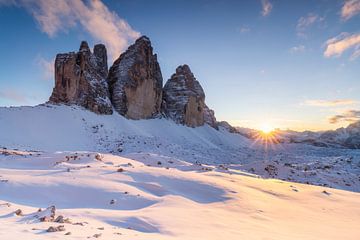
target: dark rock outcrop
<point>101,57</point>
<point>80,78</point>
<point>135,82</point>
<point>209,117</point>
<point>227,127</point>
<point>184,98</point>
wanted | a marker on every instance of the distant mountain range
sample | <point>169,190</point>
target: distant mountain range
<point>348,137</point>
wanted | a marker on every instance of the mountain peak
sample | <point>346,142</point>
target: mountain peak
<point>143,38</point>
<point>84,46</point>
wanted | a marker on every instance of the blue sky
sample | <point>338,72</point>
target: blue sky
<point>287,64</point>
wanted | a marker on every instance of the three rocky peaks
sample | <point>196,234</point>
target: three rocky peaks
<point>133,86</point>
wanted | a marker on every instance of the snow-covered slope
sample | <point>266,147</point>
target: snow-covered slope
<point>348,137</point>
<point>52,127</point>
<point>110,197</point>
<point>70,128</point>
<point>154,179</point>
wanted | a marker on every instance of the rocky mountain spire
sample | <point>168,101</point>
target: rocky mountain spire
<point>80,79</point>
<point>184,98</point>
<point>84,47</point>
<point>132,86</point>
<point>135,81</point>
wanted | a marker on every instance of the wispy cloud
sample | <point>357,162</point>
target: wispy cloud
<point>47,67</point>
<point>356,53</point>
<point>244,29</point>
<point>306,22</point>
<point>13,95</point>
<point>266,7</point>
<point>348,116</point>
<point>339,44</point>
<point>54,16</point>
<point>297,49</point>
<point>329,103</point>
<point>350,9</point>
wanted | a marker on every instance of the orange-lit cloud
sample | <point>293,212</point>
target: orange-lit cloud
<point>339,44</point>
<point>266,7</point>
<point>350,9</point>
<point>93,16</point>
<point>329,103</point>
<point>348,116</point>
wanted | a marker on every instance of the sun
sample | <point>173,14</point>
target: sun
<point>267,136</point>
<point>266,128</point>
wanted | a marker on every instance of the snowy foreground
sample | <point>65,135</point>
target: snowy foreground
<point>88,176</point>
<point>110,197</point>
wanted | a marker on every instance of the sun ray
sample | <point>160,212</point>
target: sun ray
<point>267,137</point>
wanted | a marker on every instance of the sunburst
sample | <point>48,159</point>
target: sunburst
<point>266,136</point>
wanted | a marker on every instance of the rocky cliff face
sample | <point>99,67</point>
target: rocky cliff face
<point>135,82</point>
<point>80,78</point>
<point>184,98</point>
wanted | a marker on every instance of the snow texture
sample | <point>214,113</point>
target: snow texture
<point>108,177</point>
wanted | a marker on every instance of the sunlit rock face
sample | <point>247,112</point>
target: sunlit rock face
<point>80,78</point>
<point>135,82</point>
<point>184,98</point>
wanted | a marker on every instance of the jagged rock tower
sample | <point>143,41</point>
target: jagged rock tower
<point>80,78</point>
<point>135,82</point>
<point>184,99</point>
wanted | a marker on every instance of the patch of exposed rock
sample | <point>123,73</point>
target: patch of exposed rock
<point>209,117</point>
<point>80,78</point>
<point>135,81</point>
<point>184,98</point>
<point>227,126</point>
